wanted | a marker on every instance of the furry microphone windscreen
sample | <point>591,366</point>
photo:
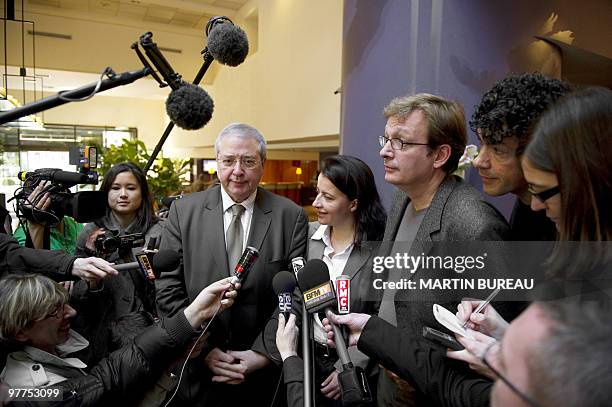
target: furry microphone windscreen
<point>228,44</point>
<point>189,107</point>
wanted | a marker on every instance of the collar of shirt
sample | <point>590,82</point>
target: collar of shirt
<point>339,259</point>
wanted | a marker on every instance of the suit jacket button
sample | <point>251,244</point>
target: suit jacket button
<point>35,367</point>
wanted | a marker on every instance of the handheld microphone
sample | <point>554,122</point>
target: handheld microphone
<point>163,262</point>
<point>318,292</point>
<point>298,263</point>
<point>245,264</point>
<point>283,284</point>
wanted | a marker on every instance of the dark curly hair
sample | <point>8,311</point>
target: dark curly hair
<point>513,106</point>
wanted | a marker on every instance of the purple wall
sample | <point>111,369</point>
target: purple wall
<point>456,49</point>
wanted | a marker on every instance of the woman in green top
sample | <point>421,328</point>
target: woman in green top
<point>62,236</point>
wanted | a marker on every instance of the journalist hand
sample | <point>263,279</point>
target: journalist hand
<point>489,322</point>
<point>354,322</point>
<point>92,269</point>
<point>219,295</point>
<point>286,336</point>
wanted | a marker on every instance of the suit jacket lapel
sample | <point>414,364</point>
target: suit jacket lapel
<point>262,215</point>
<point>432,221</point>
<point>213,229</point>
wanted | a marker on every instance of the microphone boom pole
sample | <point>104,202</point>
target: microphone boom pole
<point>64,97</point>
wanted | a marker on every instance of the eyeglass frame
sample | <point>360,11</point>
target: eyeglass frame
<point>58,313</point>
<point>545,195</point>
<point>241,160</point>
<point>501,377</point>
<point>382,141</point>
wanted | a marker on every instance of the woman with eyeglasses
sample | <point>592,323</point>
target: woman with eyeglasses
<point>35,324</point>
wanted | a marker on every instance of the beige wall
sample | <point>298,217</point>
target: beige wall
<point>285,89</point>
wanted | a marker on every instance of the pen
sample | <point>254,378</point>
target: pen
<point>482,305</point>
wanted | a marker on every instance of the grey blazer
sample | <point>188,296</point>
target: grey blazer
<point>359,269</point>
<point>457,212</point>
<point>195,229</point>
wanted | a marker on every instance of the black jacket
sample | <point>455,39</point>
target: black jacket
<point>118,379</point>
<point>16,259</point>
<point>423,365</point>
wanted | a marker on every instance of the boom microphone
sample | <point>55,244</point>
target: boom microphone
<point>227,43</point>
<point>188,106</point>
<point>283,284</point>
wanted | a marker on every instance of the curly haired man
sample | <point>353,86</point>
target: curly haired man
<point>503,122</point>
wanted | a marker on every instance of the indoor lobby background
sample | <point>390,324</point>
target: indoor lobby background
<point>316,79</point>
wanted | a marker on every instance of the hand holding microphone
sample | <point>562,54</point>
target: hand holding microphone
<point>354,322</point>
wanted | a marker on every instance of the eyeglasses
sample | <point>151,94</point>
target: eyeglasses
<point>398,144</point>
<point>247,163</point>
<point>496,346</point>
<point>58,313</point>
<point>544,195</point>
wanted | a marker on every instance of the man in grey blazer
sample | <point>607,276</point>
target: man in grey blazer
<point>424,138</point>
<point>210,229</point>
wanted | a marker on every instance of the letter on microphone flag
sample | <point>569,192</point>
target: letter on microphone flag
<point>343,294</point>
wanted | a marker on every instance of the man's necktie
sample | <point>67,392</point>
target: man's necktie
<point>234,237</point>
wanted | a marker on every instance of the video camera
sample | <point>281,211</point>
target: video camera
<point>110,242</point>
<point>84,206</point>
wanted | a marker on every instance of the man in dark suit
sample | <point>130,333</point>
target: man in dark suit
<point>211,229</point>
<point>424,138</point>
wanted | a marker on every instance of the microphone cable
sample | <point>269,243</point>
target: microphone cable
<point>191,351</point>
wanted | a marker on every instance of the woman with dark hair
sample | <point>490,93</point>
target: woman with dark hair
<point>568,168</point>
<point>129,211</point>
<point>351,219</point>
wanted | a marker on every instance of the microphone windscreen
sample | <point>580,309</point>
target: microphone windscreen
<point>283,282</point>
<point>228,44</point>
<point>189,107</point>
<point>165,261</point>
<point>313,274</point>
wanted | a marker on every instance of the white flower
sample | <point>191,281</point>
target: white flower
<point>471,151</point>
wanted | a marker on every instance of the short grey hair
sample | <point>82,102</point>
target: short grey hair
<point>25,299</point>
<point>242,130</point>
<point>572,366</point>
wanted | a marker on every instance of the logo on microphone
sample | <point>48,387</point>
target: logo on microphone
<point>284,302</point>
<point>343,293</point>
<point>318,295</point>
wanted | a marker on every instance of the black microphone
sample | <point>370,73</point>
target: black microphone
<point>245,264</point>
<point>56,175</point>
<point>188,106</point>
<point>318,293</point>
<point>227,43</point>
<point>283,284</point>
<point>163,262</point>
